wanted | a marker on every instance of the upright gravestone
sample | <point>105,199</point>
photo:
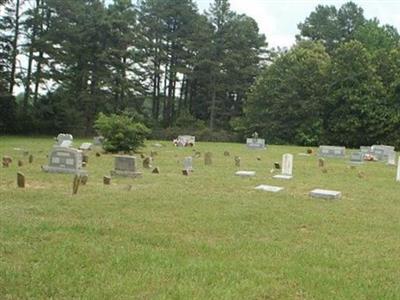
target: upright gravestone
<point>332,151</point>
<point>65,160</point>
<point>357,157</point>
<point>398,171</point>
<point>287,167</point>
<point>147,162</point>
<point>188,164</point>
<point>64,140</point>
<point>98,140</point>
<point>86,146</point>
<point>381,152</point>
<point>125,165</point>
<point>255,143</point>
<point>391,158</point>
<point>237,161</point>
<point>208,158</point>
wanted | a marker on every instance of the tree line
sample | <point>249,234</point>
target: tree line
<point>160,60</point>
<point>178,70</point>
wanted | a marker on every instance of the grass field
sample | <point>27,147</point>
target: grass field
<point>206,236</point>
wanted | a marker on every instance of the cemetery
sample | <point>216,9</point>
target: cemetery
<point>130,218</point>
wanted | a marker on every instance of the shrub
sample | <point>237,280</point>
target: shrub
<point>121,132</point>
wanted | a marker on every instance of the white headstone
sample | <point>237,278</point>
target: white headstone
<point>391,158</point>
<point>255,143</point>
<point>245,173</point>
<point>85,146</point>
<point>269,188</point>
<point>325,194</point>
<point>287,167</point>
<point>398,171</point>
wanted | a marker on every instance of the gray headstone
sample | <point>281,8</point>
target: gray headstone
<point>86,146</point>
<point>357,157</point>
<point>325,194</point>
<point>391,158</point>
<point>64,137</point>
<point>287,167</point>
<point>381,152</point>
<point>65,160</point>
<point>255,143</point>
<point>125,165</point>
<point>188,163</point>
<point>332,151</point>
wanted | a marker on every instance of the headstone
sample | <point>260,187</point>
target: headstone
<point>106,180</point>
<point>245,173</point>
<point>185,141</point>
<point>98,154</point>
<point>20,180</point>
<point>357,157</point>
<point>325,194</point>
<point>381,152</point>
<point>365,150</point>
<point>255,143</point>
<point>237,161</point>
<point>321,162</point>
<point>269,188</point>
<point>65,160</point>
<point>226,153</point>
<point>30,158</point>
<point>287,167</point>
<point>20,163</point>
<point>86,146</point>
<point>310,151</point>
<point>147,162</point>
<point>156,170</point>
<point>64,137</point>
<point>7,160</point>
<point>277,165</point>
<point>85,158</point>
<point>391,158</point>
<point>125,165</point>
<point>332,151</point>
<point>188,164</point>
<point>157,145</point>
<point>398,170</point>
<point>208,158</point>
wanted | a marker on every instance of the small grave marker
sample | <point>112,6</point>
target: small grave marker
<point>147,162</point>
<point>75,184</point>
<point>20,180</point>
<point>237,161</point>
<point>188,164</point>
<point>208,158</point>
<point>245,173</point>
<point>106,180</point>
<point>325,194</point>
<point>156,170</point>
<point>30,159</point>
<point>269,188</point>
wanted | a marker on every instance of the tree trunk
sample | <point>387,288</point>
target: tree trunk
<point>14,48</point>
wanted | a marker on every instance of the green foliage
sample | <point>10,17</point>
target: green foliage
<point>8,114</point>
<point>121,132</point>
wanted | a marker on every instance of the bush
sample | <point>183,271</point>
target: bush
<point>121,132</point>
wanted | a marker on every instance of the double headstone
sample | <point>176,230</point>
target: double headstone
<point>332,151</point>
<point>255,143</point>
<point>287,167</point>
<point>381,152</point>
<point>65,160</point>
<point>125,165</point>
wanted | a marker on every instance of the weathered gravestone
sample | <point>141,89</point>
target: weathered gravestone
<point>98,140</point>
<point>188,164</point>
<point>7,160</point>
<point>156,170</point>
<point>147,162</point>
<point>237,161</point>
<point>398,170</point>
<point>65,160</point>
<point>106,180</point>
<point>325,194</point>
<point>64,140</point>
<point>269,188</point>
<point>125,165</point>
<point>30,159</point>
<point>287,167</point>
<point>365,150</point>
<point>321,162</point>
<point>20,180</point>
<point>332,151</point>
<point>208,158</point>
<point>357,157</point>
<point>391,158</point>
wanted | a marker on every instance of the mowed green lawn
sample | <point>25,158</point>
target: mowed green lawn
<point>206,236</point>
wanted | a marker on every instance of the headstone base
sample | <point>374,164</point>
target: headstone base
<point>126,174</point>
<point>325,194</point>
<point>50,169</point>
<point>286,177</point>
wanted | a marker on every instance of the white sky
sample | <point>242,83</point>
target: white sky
<point>278,19</point>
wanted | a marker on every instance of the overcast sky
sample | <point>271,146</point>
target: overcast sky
<point>278,19</point>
